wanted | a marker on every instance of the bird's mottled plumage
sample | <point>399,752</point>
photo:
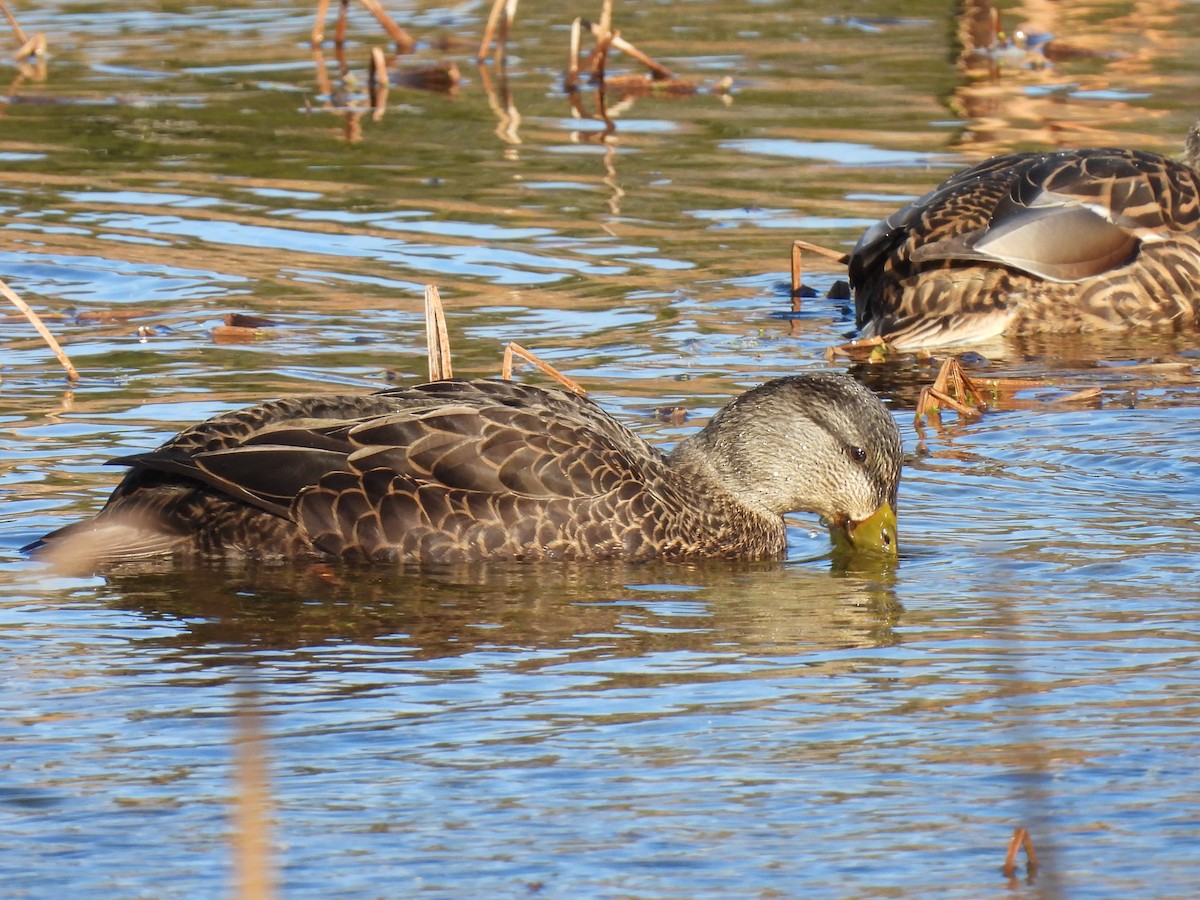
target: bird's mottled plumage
<point>468,470</point>
<point>1078,240</point>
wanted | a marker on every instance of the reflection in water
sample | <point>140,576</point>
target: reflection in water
<point>1013,94</point>
<point>1144,367</point>
<point>617,610</point>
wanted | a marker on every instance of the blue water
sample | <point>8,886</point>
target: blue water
<point>769,730</point>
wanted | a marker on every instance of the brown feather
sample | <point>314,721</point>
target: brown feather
<point>1070,241</point>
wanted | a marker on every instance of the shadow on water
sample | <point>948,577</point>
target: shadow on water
<point>620,610</point>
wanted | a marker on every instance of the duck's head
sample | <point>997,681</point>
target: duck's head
<point>817,443</point>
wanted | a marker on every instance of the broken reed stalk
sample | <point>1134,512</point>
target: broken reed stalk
<point>251,833</point>
<point>1020,838</point>
<point>515,349</point>
<point>37,323</point>
<point>798,248</point>
<point>405,42</point>
<point>659,71</point>
<point>437,339</point>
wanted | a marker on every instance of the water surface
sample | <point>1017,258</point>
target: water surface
<point>784,729</point>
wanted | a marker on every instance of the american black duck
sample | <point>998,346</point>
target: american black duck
<point>469,470</point>
<point>1078,240</point>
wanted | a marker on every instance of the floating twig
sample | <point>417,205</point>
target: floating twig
<point>37,323</point>
<point>604,42</point>
<point>437,338</point>
<point>515,349</point>
<point>239,328</point>
<point>13,24</point>
<point>440,77</point>
<point>871,349</point>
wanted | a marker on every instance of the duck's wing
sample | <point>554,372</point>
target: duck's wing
<point>488,478</point>
<point>364,476</point>
<point>170,501</point>
<point>270,451</point>
<point>1070,216</point>
<point>962,203</point>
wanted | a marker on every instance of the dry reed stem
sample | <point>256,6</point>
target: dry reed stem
<point>826,252</point>
<point>37,323</point>
<point>600,56</point>
<point>798,248</point>
<point>339,30</point>
<point>573,55</point>
<point>35,46</point>
<point>660,71</point>
<point>490,29</point>
<point>437,339</point>
<point>377,84</point>
<point>606,16</point>
<point>324,85</point>
<point>944,399</point>
<point>404,41</point>
<point>797,273</point>
<point>515,349</point>
<point>318,29</point>
<point>953,388</point>
<point>13,24</point>
<point>1020,838</point>
<point>252,833</point>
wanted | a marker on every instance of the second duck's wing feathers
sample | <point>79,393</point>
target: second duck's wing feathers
<point>1064,216</point>
<point>1055,241</point>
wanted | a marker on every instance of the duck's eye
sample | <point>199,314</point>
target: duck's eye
<point>858,454</point>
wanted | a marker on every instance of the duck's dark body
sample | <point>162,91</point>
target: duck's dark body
<point>441,472</point>
<point>1078,240</point>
